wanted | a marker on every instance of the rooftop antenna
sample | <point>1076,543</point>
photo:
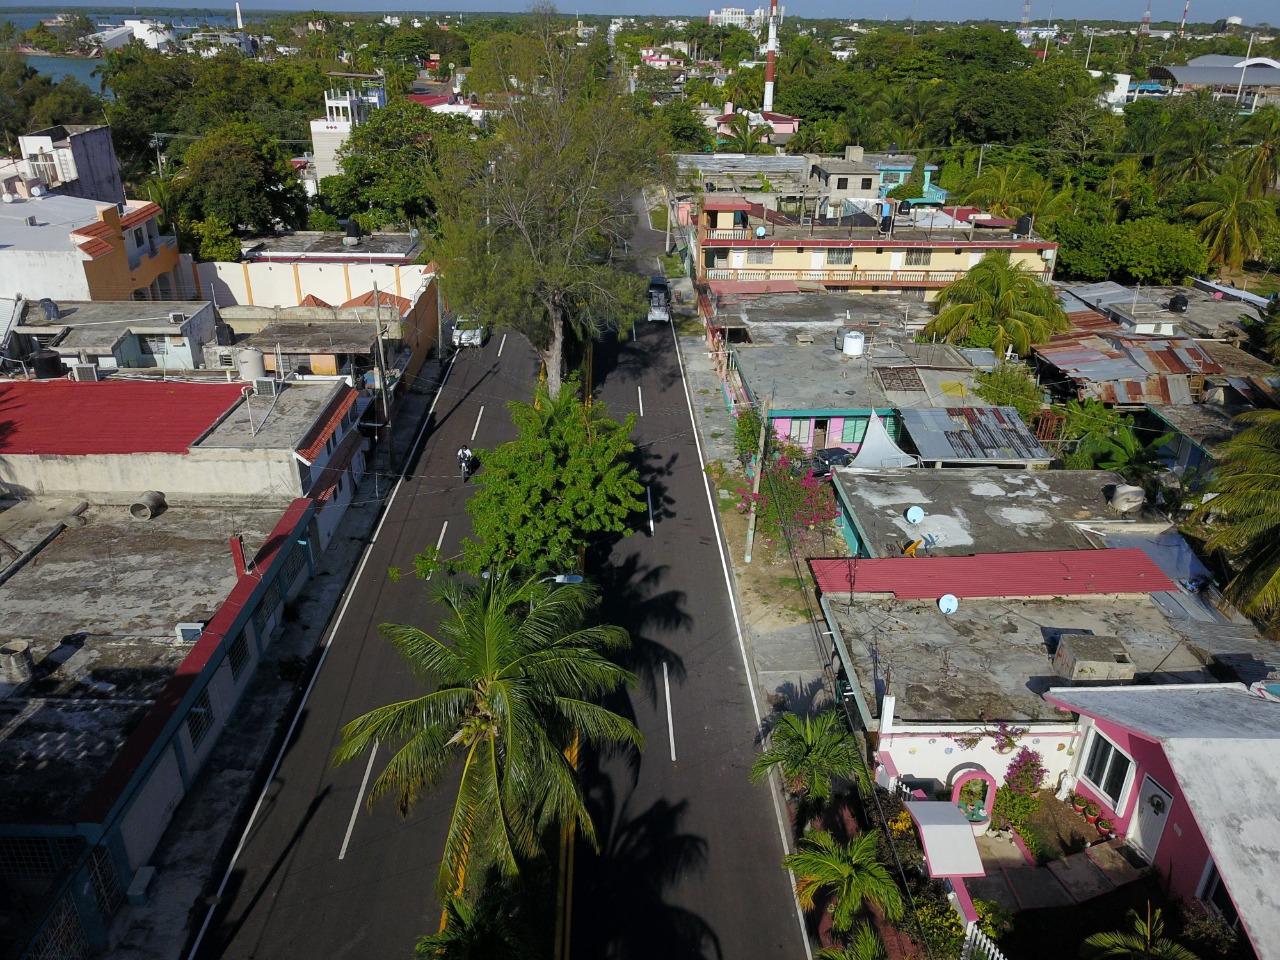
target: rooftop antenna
<point>771,57</point>
<point>1182,27</point>
<point>1144,29</point>
<point>1026,14</point>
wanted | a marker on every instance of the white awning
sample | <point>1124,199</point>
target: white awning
<point>950,849</point>
<point>878,451</point>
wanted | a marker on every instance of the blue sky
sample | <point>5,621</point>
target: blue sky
<point>1201,10</point>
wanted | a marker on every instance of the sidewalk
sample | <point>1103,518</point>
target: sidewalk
<point>207,824</point>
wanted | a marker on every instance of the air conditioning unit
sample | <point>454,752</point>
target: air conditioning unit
<point>84,372</point>
<point>1090,659</point>
<point>265,387</point>
<point>177,318</point>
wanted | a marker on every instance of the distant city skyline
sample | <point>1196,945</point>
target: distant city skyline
<point>1202,11</point>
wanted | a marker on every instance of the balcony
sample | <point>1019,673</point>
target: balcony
<point>848,277</point>
<point>738,234</point>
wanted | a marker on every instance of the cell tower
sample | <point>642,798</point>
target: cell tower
<point>771,56</point>
<point>1145,28</point>
<point>1182,27</point>
<point>1026,14</point>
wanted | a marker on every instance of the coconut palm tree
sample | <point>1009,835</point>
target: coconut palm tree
<point>998,303</point>
<point>864,944</point>
<point>1261,156</point>
<point>746,137</point>
<point>1145,941</point>
<point>803,57</point>
<point>512,675</point>
<point>1243,518</point>
<point>809,752</point>
<point>1191,152</point>
<point>476,931</point>
<point>851,873</point>
<point>1232,223</point>
<point>1004,190</point>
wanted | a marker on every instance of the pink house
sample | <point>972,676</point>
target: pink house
<point>1189,775</point>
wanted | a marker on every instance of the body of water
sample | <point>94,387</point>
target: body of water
<point>81,68</point>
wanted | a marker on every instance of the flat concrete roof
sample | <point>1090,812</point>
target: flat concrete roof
<point>991,659</point>
<point>894,371</point>
<point>329,243</point>
<point>1205,316</point>
<point>332,337</point>
<point>274,423</point>
<point>56,216</point>
<point>977,509</point>
<point>98,325</point>
<point>99,605</point>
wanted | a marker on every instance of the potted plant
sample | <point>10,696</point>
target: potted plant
<point>1079,802</point>
<point>1105,827</point>
<point>1092,812</point>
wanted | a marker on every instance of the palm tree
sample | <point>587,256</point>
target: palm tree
<point>803,57</point>
<point>864,944</point>
<point>1004,190</point>
<point>1146,941</point>
<point>1001,302</point>
<point>476,931</point>
<point>512,673</point>
<point>851,873</point>
<point>1232,223</point>
<point>1261,158</point>
<point>805,140</point>
<point>1243,517</point>
<point>744,137</point>
<point>1124,453</point>
<point>809,752</point>
<point>1191,152</point>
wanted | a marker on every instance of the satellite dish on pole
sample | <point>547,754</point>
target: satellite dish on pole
<point>948,603</point>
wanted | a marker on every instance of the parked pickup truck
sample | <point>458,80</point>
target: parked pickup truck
<point>469,333</point>
<point>659,300</point>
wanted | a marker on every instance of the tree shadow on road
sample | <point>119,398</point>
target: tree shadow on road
<point>621,910</point>
<point>619,358</point>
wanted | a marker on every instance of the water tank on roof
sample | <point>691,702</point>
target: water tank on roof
<point>16,663</point>
<point>1178,303</point>
<point>46,364</point>
<point>50,310</point>
<point>1126,498</point>
<point>886,224</point>
<point>252,364</point>
<point>854,343</point>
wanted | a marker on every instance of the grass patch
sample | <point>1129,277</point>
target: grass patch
<point>689,326</point>
<point>672,265</point>
<point>658,217</point>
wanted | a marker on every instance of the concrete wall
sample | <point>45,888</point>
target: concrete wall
<point>190,477</point>
<point>152,809</point>
<point>928,752</point>
<point>57,274</point>
<point>286,284</point>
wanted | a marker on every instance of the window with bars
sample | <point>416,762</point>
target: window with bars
<point>105,882</point>
<point>296,560</point>
<point>238,655</point>
<point>1107,769</point>
<point>840,256</point>
<point>760,255</point>
<point>919,258</point>
<point>200,719</point>
<point>270,601</point>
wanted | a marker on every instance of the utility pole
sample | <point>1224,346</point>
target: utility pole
<point>982,152</point>
<point>1089,52</point>
<point>755,481</point>
<point>381,360</point>
<point>1240,88</point>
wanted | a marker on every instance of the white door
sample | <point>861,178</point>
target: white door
<point>1149,818</point>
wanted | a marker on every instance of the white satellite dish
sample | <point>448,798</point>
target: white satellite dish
<point>915,514</point>
<point>760,232</point>
<point>948,603</point>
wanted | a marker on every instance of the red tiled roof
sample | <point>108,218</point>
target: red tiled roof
<point>136,215</point>
<point>770,115</point>
<point>115,416</point>
<point>384,298</point>
<point>428,99</point>
<point>726,203</point>
<point>144,736</point>
<point>1045,573</point>
<point>323,428</point>
<point>311,300</point>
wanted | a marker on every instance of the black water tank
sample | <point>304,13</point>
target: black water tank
<point>1023,227</point>
<point>1178,303</point>
<point>46,364</point>
<point>904,206</point>
<point>886,224</point>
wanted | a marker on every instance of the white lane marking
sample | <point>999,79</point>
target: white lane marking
<point>774,784</point>
<point>502,344</point>
<point>364,784</point>
<point>439,540</point>
<point>648,495</point>
<point>671,730</point>
<point>315,674</point>
<point>633,333</point>
<point>640,398</point>
<point>477,426</point>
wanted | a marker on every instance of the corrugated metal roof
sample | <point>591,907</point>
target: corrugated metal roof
<point>67,418</point>
<point>1052,573</point>
<point>970,434</point>
<point>1130,370</point>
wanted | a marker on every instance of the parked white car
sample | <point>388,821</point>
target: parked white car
<point>469,333</point>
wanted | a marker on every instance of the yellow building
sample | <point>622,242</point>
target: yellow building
<point>69,248</point>
<point>740,247</point>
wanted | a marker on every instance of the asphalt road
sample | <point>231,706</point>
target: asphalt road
<point>691,852</point>
<point>320,875</point>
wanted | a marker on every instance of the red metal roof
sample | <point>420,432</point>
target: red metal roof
<point>1043,573</point>
<point>726,203</point>
<point>66,418</point>
<point>323,428</point>
<point>107,791</point>
<point>428,99</point>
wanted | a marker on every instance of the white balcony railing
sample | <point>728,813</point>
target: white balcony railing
<point>906,278</point>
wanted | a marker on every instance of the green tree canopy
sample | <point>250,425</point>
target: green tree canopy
<point>851,874</point>
<point>511,676</point>
<point>998,304</point>
<point>566,479</point>
<point>809,752</point>
<point>236,174</point>
<point>1011,385</point>
<point>1232,223</point>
